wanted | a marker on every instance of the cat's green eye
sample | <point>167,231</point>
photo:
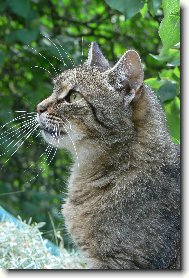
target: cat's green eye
<point>74,96</point>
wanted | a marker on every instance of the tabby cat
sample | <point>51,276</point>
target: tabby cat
<point>123,203</point>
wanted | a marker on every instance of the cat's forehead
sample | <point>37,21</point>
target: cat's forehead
<point>80,77</point>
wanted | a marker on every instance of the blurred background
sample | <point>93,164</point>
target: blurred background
<point>31,186</point>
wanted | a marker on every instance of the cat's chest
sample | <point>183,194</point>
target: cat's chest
<point>81,212</point>
<point>79,222</point>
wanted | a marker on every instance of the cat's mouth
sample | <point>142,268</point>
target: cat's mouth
<point>53,131</point>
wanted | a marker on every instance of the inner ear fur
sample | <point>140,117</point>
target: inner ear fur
<point>129,70</point>
<point>96,58</point>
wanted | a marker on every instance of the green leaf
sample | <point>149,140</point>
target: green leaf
<point>170,74</point>
<point>20,7</point>
<point>169,29</point>
<point>171,56</point>
<point>2,59</point>
<point>25,36</point>
<point>144,10</point>
<point>171,7</point>
<point>129,8</point>
<point>154,83</point>
<point>153,6</point>
<point>2,6</point>
<point>167,91</point>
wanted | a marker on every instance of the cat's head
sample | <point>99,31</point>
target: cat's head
<point>92,101</point>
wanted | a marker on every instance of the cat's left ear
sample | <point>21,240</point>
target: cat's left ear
<point>96,58</point>
<point>128,70</point>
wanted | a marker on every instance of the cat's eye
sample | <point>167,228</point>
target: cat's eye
<point>73,96</point>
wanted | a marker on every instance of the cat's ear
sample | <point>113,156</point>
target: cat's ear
<point>96,58</point>
<point>128,70</point>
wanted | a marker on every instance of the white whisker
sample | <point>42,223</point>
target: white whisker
<point>56,146</point>
<point>38,134</point>
<point>15,124</point>
<point>39,158</point>
<point>45,151</point>
<point>71,60</point>
<point>52,157</point>
<point>13,192</point>
<point>15,132</point>
<point>81,49</point>
<point>48,151</point>
<point>17,118</point>
<point>56,48</point>
<point>42,166</point>
<point>25,131</point>
<point>28,135</point>
<point>20,111</point>
<point>44,58</point>
<point>25,112</point>
<point>69,124</point>
<point>73,146</point>
<point>57,58</point>
<point>41,68</point>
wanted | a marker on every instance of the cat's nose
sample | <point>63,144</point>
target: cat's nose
<point>41,107</point>
<point>45,104</point>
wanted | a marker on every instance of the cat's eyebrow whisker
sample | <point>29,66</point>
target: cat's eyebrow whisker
<point>16,131</point>
<point>62,58</point>
<point>27,136</point>
<point>67,54</point>
<point>44,58</point>
<point>39,67</point>
<point>82,49</point>
<point>75,73</point>
<point>57,58</point>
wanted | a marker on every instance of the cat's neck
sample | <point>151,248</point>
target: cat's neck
<point>150,148</point>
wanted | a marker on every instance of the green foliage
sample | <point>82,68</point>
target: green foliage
<point>169,30</point>
<point>19,7</point>
<point>153,6</point>
<point>28,185</point>
<point>129,8</point>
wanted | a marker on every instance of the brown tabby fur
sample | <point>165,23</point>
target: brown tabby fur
<point>123,204</point>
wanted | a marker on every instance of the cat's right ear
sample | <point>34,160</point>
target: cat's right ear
<point>128,71</point>
<point>96,58</point>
